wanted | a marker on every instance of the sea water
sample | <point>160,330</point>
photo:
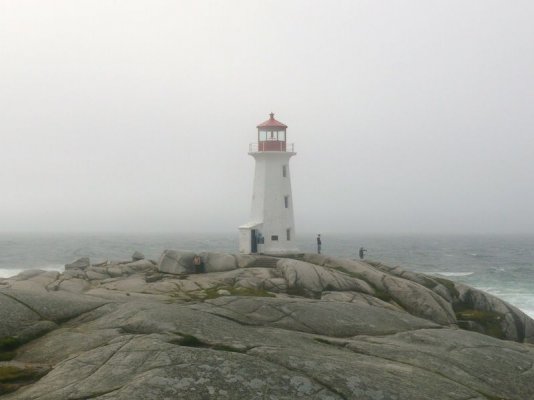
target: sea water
<point>501,265</point>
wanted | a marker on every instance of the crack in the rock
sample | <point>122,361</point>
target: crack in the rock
<point>317,381</point>
<point>90,373</point>
<point>25,305</point>
<point>292,316</point>
<point>426,369</point>
<point>321,281</point>
<point>190,341</point>
<point>66,320</point>
<point>487,346</point>
<point>260,323</point>
<point>97,395</point>
<point>531,366</point>
<point>520,327</point>
<point>229,318</point>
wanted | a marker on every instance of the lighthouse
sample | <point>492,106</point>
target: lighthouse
<point>271,229</point>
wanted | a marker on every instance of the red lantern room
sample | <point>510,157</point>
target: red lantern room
<point>272,135</point>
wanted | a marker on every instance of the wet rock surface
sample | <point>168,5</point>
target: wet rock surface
<point>304,326</point>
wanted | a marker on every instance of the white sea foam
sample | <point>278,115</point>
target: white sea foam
<point>454,273</point>
<point>9,272</point>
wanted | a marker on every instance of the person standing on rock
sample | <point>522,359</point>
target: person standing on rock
<point>199,265</point>
<point>319,244</point>
<point>362,253</point>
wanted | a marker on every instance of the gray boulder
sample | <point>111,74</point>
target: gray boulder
<point>31,273</point>
<point>74,285</point>
<point>136,256</point>
<point>219,262</point>
<point>176,262</point>
<point>28,314</point>
<point>14,315</point>
<point>302,277</point>
<point>141,266</point>
<point>415,298</point>
<point>74,273</point>
<point>244,260</point>
<point>490,315</point>
<point>314,316</point>
<point>474,309</point>
<point>118,270</point>
<point>93,275</point>
<point>498,377</point>
<point>80,263</point>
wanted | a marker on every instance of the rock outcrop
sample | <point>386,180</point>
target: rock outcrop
<point>136,256</point>
<point>80,263</point>
<point>307,326</point>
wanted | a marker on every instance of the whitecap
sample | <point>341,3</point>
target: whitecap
<point>528,311</point>
<point>454,273</point>
<point>10,272</point>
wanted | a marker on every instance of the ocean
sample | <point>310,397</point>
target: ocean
<point>501,265</point>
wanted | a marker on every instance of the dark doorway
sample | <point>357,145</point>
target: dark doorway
<point>253,241</point>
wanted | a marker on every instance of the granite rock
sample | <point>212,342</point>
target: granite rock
<point>80,263</point>
<point>313,328</point>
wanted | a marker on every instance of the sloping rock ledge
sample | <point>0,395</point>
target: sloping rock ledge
<point>257,327</point>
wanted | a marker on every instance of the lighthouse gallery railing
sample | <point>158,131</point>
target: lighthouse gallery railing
<point>255,148</point>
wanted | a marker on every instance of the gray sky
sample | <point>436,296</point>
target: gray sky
<point>412,116</point>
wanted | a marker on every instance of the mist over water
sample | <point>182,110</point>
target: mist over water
<point>500,264</point>
<point>412,116</point>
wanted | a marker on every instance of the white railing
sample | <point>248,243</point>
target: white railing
<point>255,148</point>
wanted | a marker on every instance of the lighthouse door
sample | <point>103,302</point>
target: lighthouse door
<point>253,241</point>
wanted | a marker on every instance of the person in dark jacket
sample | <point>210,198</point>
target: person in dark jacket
<point>362,252</point>
<point>319,244</point>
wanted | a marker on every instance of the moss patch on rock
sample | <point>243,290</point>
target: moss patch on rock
<point>188,341</point>
<point>7,355</point>
<point>301,292</point>
<point>489,321</point>
<point>193,341</point>
<point>9,373</point>
<point>213,293</point>
<point>382,295</point>
<point>7,345</point>
<point>11,377</point>
<point>449,285</point>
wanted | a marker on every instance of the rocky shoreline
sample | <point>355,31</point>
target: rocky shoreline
<point>257,327</point>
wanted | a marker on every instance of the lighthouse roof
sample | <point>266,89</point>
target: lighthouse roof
<point>272,123</point>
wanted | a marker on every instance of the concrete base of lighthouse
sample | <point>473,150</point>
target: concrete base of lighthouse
<point>252,241</point>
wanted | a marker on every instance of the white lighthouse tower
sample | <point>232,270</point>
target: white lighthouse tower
<point>271,229</point>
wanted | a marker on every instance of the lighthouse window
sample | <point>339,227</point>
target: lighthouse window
<point>274,238</point>
<point>282,136</point>
<point>284,171</point>
<point>286,201</point>
<point>288,233</point>
<point>263,135</point>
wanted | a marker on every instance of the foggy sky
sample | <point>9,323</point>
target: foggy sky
<point>135,116</point>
